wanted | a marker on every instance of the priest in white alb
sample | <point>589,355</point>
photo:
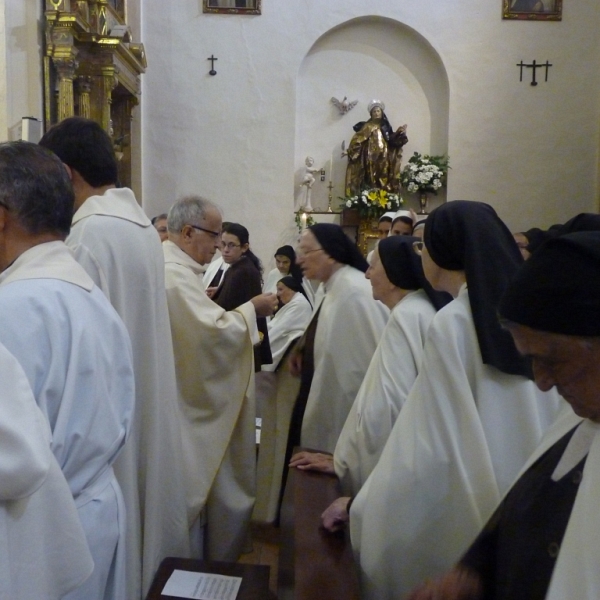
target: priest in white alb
<point>73,347</point>
<point>43,553</point>
<point>117,245</point>
<point>215,382</point>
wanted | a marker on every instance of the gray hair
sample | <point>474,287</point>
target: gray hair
<point>35,186</point>
<point>190,210</point>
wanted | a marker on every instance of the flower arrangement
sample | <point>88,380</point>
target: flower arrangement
<point>424,173</point>
<point>373,203</point>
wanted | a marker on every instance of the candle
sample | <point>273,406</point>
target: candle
<point>303,219</point>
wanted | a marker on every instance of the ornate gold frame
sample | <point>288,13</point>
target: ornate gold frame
<point>92,69</point>
<point>254,10</point>
<point>555,15</point>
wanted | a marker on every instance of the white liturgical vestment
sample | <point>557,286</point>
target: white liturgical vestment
<point>76,354</point>
<point>389,379</point>
<point>43,550</point>
<point>348,331</point>
<point>215,381</point>
<point>460,440</point>
<point>115,242</point>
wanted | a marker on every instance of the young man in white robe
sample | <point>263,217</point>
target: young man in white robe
<point>73,348</point>
<point>44,553</point>
<point>117,245</point>
<point>215,382</point>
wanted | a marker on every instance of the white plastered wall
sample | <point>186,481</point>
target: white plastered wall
<point>241,136</point>
<point>20,65</point>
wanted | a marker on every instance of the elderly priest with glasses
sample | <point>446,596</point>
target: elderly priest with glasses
<point>543,541</point>
<point>214,363</point>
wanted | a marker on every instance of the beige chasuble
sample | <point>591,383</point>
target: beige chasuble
<point>215,384</point>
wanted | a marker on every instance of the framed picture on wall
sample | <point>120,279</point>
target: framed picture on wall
<point>532,10</point>
<point>232,7</point>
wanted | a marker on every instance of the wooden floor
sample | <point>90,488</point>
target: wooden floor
<point>265,551</point>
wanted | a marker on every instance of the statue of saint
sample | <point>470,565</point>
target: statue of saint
<point>375,153</point>
<point>308,181</point>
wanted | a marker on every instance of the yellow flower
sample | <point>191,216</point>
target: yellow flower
<point>372,195</point>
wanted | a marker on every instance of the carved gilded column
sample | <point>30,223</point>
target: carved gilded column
<point>65,67</point>
<point>110,82</point>
<point>84,87</point>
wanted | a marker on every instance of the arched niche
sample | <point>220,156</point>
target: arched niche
<point>366,58</point>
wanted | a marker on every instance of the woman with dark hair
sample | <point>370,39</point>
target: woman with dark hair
<point>241,282</point>
<point>470,422</point>
<point>285,264</point>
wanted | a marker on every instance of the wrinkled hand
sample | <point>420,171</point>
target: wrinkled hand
<point>335,517</point>
<point>313,461</point>
<point>457,584</point>
<point>265,304</point>
<point>295,364</point>
<point>210,292</point>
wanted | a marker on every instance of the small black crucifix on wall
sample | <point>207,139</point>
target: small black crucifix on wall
<point>212,64</point>
<point>533,66</point>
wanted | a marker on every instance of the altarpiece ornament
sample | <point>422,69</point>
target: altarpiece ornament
<point>92,69</point>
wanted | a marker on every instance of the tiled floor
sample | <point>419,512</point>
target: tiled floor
<point>265,550</point>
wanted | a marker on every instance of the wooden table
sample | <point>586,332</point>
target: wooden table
<point>255,578</point>
<point>313,564</point>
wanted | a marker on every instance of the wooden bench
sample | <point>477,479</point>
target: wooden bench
<point>313,564</point>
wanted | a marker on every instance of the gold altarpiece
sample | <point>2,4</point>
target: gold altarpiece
<point>92,69</point>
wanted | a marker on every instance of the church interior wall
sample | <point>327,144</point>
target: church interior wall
<point>450,73</point>
<point>20,65</point>
<point>241,136</point>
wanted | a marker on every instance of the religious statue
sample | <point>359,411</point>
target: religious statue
<point>374,153</point>
<point>308,181</point>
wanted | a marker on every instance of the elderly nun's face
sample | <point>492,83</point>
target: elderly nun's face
<point>566,362</point>
<point>284,293</point>
<point>312,259</point>
<point>376,274</point>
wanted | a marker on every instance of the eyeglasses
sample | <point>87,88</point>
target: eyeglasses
<point>229,245</point>
<point>215,234</point>
<point>418,247</point>
<point>302,253</point>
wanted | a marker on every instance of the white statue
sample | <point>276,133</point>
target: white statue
<point>308,181</point>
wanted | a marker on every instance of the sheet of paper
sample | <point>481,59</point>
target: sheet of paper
<point>202,586</point>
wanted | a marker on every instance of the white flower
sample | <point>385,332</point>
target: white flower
<point>349,203</point>
<point>389,205</point>
<point>364,199</point>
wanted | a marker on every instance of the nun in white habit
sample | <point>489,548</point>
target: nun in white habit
<point>397,280</point>
<point>276,390</point>
<point>543,541</point>
<point>468,425</point>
